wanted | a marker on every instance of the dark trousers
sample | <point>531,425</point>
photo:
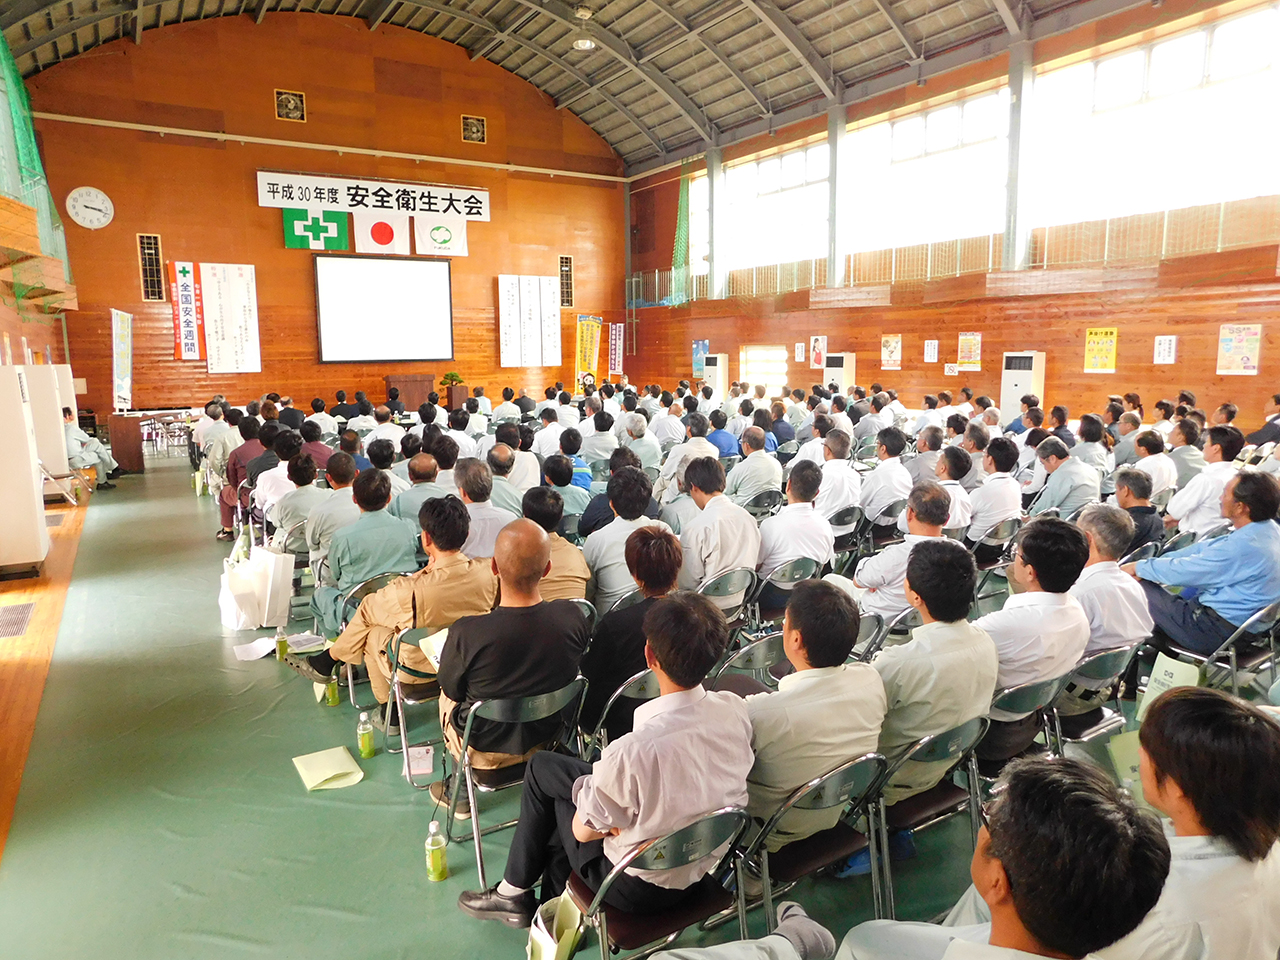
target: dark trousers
<point>984,553</point>
<point>544,847</point>
<point>773,597</point>
<point>1006,739</point>
<point>1188,623</point>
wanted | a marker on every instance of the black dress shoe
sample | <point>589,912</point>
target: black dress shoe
<point>113,474</point>
<point>488,904</point>
<point>106,485</point>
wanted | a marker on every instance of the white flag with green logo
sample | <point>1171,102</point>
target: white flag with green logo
<point>440,236</point>
<point>315,229</point>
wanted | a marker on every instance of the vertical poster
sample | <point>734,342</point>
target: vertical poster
<point>1166,350</point>
<point>121,359</point>
<point>931,351</point>
<point>1238,347</point>
<point>891,351</point>
<point>549,300</point>
<point>1100,349</point>
<point>8,350</point>
<point>817,353</point>
<point>588,350</point>
<point>188,312</point>
<point>969,354</point>
<point>799,353</point>
<point>616,332</point>
<point>229,294</point>
<point>509,321</point>
<point>530,322</point>
<point>700,350</point>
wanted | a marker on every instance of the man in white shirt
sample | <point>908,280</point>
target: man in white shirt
<point>629,491</point>
<point>841,484</point>
<point>477,422</point>
<point>1111,599</point>
<point>928,416</point>
<point>507,409</point>
<point>997,500</point>
<point>338,511</point>
<point>365,419</point>
<point>797,530</point>
<point>600,443</point>
<point>666,425</point>
<point>741,419</point>
<point>550,396</point>
<point>813,449</point>
<point>724,537</point>
<point>876,420</point>
<point>546,442</point>
<point>609,401</point>
<point>641,442</point>
<point>293,508</point>
<point>923,466</point>
<point>697,445</point>
<point>475,485</point>
<point>756,473</point>
<point>206,427</point>
<point>889,481</point>
<point>1155,463</point>
<point>878,580</point>
<point>645,785</point>
<point>1198,506</point>
<point>457,432</point>
<point>974,444</point>
<point>729,406</point>
<point>566,411</point>
<point>839,415</point>
<point>483,404</point>
<point>651,400</point>
<point>385,429</point>
<point>382,454</point>
<point>826,713</point>
<point>953,463</point>
<point>945,409</point>
<point>275,483</point>
<point>1071,482</point>
<point>327,423</point>
<point>1040,633</point>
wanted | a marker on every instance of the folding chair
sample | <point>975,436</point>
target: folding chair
<point>902,623</point>
<point>1252,660</point>
<point>885,524</point>
<point>729,462</point>
<point>350,603</point>
<point>1144,552</point>
<point>599,469</point>
<point>588,610</point>
<point>854,785</point>
<point>846,544</point>
<point>1075,514</point>
<point>1031,698</point>
<point>281,541</point>
<point>942,800</point>
<point>737,582</point>
<point>542,706</point>
<point>756,660</point>
<point>569,528</point>
<point>955,533</point>
<point>1246,453</point>
<point>869,627</point>
<point>410,694</point>
<point>1184,539</point>
<point>785,577</point>
<point>652,473</point>
<point>66,492</point>
<point>1101,670</point>
<point>763,504</point>
<point>630,600</point>
<point>648,933</point>
<point>643,686</point>
<point>1002,535</point>
<point>786,451</point>
<point>1221,530</point>
<point>1161,500</point>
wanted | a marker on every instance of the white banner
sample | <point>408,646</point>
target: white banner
<point>549,298</point>
<point>528,321</point>
<point>508,321</point>
<point>440,236</point>
<point>230,295</point>
<point>121,359</point>
<point>351,195</point>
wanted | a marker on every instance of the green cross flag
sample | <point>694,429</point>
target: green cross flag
<point>315,229</point>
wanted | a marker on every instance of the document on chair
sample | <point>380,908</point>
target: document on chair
<point>432,645</point>
<point>329,769</point>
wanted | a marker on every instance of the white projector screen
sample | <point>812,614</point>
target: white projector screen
<point>383,308</point>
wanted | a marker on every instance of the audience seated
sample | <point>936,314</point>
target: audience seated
<point>758,471</point>
<point>653,557</point>
<point>382,454</point>
<point>1094,450</point>
<point>293,508</point>
<point>875,422</point>
<point>350,444</point>
<point>1058,426</point>
<point>546,442</point>
<point>1234,576</point>
<point>997,500</point>
<point>889,481</point>
<point>1133,495</point>
<point>274,483</point>
<point>1186,455</point>
<point>566,412</point>
<point>568,576</point>
<point>598,512</point>
<point>343,410</point>
<point>629,494</point>
<point>475,486</point>
<point>1153,461</point>
<point>696,445</point>
<point>311,445</point>
<point>953,464</point>
<point>570,444</point>
<point>841,485</point>
<point>376,543</point>
<point>602,441</point>
<point>1071,482</point>
<point>363,422</point>
<point>782,428</point>
<point>928,450</point>
<point>267,459</point>
<point>722,537</point>
<point>236,471</point>
<point>974,443</point>
<point>719,437</point>
<point>459,420</point>
<point>423,471</point>
<point>505,494</point>
<point>1269,432</point>
<point>645,784</point>
<point>666,425</point>
<point>385,429</point>
<point>640,441</point>
<point>558,471</point>
<point>1197,507</point>
<point>798,530</point>
<point>1019,424</point>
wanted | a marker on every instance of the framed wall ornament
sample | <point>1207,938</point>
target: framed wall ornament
<point>291,105</point>
<point>474,130</point>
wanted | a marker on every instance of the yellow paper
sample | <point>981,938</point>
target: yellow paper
<point>560,940</point>
<point>1123,750</point>
<point>1100,349</point>
<point>1165,675</point>
<point>329,769</point>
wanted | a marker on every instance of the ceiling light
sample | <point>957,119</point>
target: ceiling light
<point>584,43</point>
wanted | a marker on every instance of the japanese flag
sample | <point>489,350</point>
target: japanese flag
<point>379,232</point>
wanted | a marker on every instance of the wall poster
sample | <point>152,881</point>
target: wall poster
<point>700,350</point>
<point>799,353</point>
<point>817,353</point>
<point>121,359</point>
<point>1100,349</point>
<point>616,332</point>
<point>1238,347</point>
<point>931,351</point>
<point>588,351</point>
<point>969,354</point>
<point>1166,350</point>
<point>891,351</point>
<point>229,294</point>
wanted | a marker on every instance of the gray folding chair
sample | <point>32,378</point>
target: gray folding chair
<point>1144,552</point>
<point>643,686</point>
<point>647,933</point>
<point>350,603</point>
<point>902,623</point>
<point>756,659</point>
<point>588,610</point>
<point>1100,671</point>
<point>521,710</point>
<point>1161,500</point>
<point>1002,535</point>
<point>885,525</point>
<point>784,577</point>
<point>763,504</point>
<point>853,785</point>
<point>569,528</point>
<point>630,600</point>
<point>652,473</point>
<point>739,583</point>
<point>786,451</point>
<point>1177,542</point>
<point>1252,660</point>
<point>954,747</point>
<point>846,544</point>
<point>1029,698</point>
<point>599,469</point>
<point>404,694</point>
<point>869,627</point>
<point>955,533</point>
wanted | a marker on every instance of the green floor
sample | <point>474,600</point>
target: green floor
<point>160,815</point>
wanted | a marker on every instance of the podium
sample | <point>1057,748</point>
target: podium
<point>413,387</point>
<point>126,441</point>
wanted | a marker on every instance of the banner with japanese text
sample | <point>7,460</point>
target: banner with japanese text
<point>121,359</point>
<point>229,295</point>
<point>588,353</point>
<point>351,195</point>
<point>616,333</point>
<point>188,313</point>
<point>1238,347</point>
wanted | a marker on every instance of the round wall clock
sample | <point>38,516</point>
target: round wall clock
<point>90,207</point>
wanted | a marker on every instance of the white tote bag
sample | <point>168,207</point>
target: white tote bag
<point>238,597</point>
<point>273,577</point>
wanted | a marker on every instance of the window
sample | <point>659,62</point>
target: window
<point>764,364</point>
<point>566,281</point>
<point>151,266</point>
<point>699,226</point>
<point>775,210</point>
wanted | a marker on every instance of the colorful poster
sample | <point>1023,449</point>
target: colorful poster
<point>1238,347</point>
<point>817,353</point>
<point>700,350</point>
<point>891,351</point>
<point>121,359</point>
<point>616,333</point>
<point>188,312</point>
<point>969,354</point>
<point>931,351</point>
<point>588,351</point>
<point>1100,349</point>
<point>799,353</point>
<point>1166,350</point>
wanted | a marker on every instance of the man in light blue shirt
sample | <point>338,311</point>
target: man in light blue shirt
<point>1225,580</point>
<point>1072,483</point>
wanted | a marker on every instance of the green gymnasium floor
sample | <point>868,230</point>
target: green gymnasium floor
<point>160,816</point>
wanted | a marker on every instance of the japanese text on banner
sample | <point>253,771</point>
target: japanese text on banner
<point>316,192</point>
<point>188,312</point>
<point>588,352</point>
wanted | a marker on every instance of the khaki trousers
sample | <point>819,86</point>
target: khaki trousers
<point>480,759</point>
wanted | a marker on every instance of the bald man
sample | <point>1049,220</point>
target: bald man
<point>526,646</point>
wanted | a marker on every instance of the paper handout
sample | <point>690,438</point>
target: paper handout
<point>255,649</point>
<point>306,643</point>
<point>328,770</point>
<point>432,645</point>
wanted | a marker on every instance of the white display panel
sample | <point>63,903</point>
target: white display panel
<point>383,308</point>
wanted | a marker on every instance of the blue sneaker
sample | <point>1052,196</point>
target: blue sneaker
<point>858,865</point>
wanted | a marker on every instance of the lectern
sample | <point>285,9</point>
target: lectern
<point>414,387</point>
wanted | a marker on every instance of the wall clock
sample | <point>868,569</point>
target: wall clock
<point>90,207</point>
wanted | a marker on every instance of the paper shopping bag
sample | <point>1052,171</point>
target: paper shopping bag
<point>237,597</point>
<point>273,578</point>
<point>556,929</point>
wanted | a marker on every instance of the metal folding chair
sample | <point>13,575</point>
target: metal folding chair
<point>847,544</point>
<point>1269,615</point>
<point>1002,535</point>
<point>643,686</point>
<point>409,694</point>
<point>738,582</point>
<point>1144,552</point>
<point>786,451</point>
<point>763,504</point>
<point>785,577</point>
<point>1100,670</point>
<point>350,603</point>
<point>1177,542</point>
<point>1161,500</point>
<point>542,706</point>
<point>618,930</point>
<point>599,469</point>
<point>885,524</point>
<point>729,462</point>
<point>902,623</point>
<point>569,528</point>
<point>630,600</point>
<point>588,610</point>
<point>756,659</point>
<point>955,533</point>
<point>869,627</point>
<point>1029,698</point>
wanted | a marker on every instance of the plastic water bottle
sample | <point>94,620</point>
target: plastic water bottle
<point>282,643</point>
<point>437,862</point>
<point>331,696</point>
<point>364,736</point>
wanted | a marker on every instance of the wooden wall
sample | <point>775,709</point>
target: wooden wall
<point>392,89</point>
<point>44,334</point>
<point>1053,323</point>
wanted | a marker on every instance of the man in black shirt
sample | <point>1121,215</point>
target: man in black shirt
<point>1133,493</point>
<point>343,410</point>
<point>525,647</point>
<point>394,403</point>
<point>525,402</point>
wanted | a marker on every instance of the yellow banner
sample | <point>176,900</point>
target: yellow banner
<point>588,352</point>
<point>1100,349</point>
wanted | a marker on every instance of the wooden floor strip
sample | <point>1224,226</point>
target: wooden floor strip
<point>24,660</point>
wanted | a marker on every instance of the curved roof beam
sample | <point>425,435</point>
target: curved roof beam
<point>900,30</point>
<point>798,44</point>
<point>621,51</point>
<point>105,12</point>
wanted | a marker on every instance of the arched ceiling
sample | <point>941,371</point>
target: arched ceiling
<point>667,78</point>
